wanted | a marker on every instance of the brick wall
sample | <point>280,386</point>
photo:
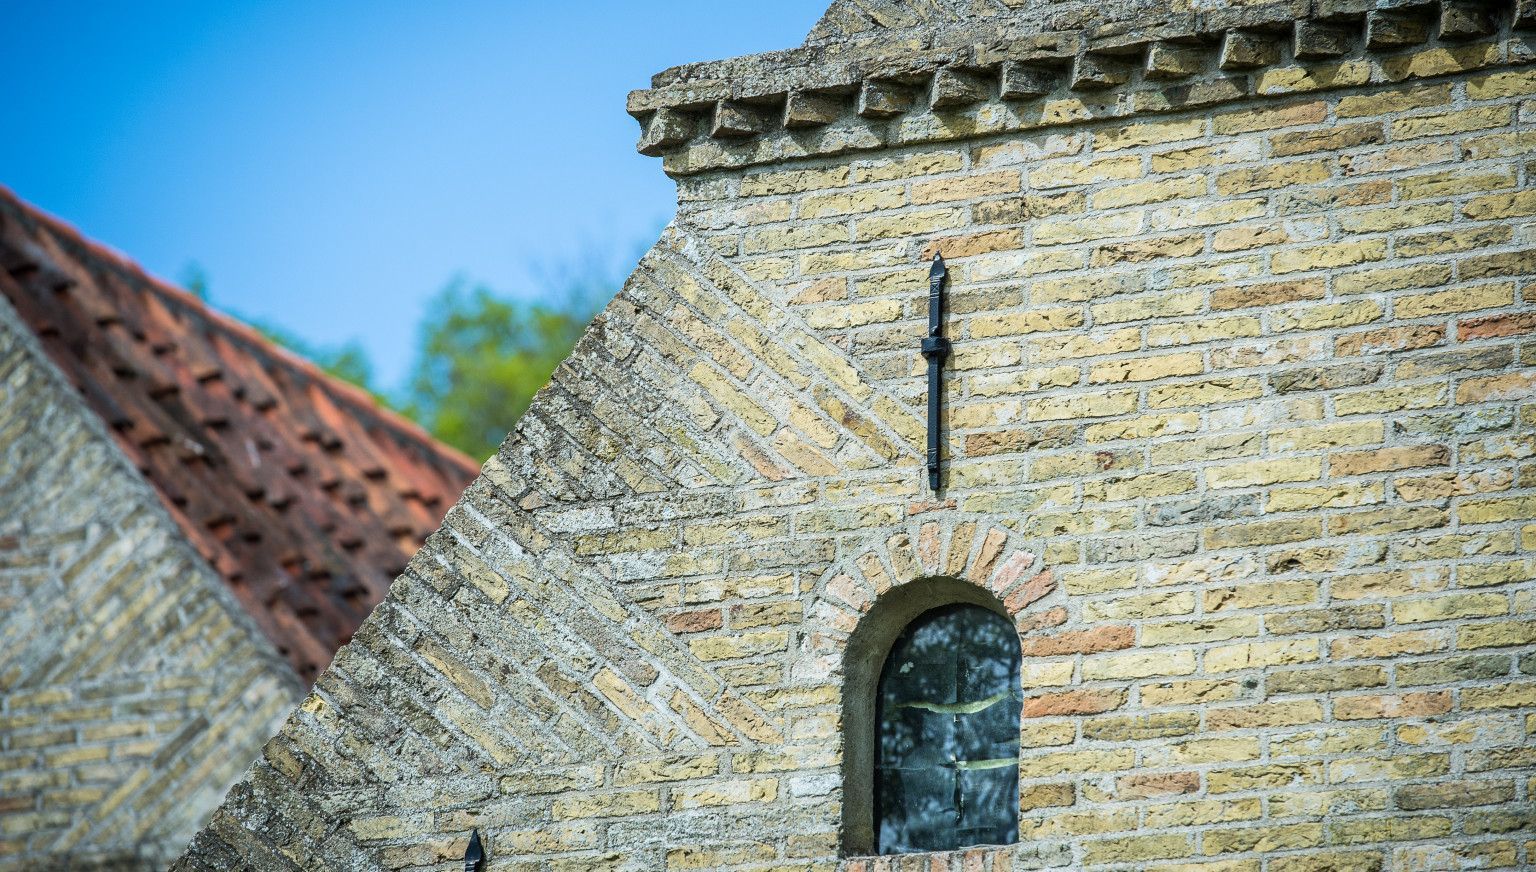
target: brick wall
<point>133,689</point>
<point>1239,429</point>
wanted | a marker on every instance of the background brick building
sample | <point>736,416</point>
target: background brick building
<point>191,521</point>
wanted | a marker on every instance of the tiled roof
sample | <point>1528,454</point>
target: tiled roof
<point>299,489</point>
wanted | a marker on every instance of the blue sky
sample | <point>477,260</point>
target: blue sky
<point>331,165</point>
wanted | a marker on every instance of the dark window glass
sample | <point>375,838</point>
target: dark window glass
<point>948,754</point>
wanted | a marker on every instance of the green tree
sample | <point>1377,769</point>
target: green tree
<point>481,357</point>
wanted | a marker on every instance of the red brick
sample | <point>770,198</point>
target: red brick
<point>1073,702</point>
<point>1081,642</point>
<point>1496,325</point>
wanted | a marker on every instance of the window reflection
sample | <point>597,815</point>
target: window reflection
<point>948,755</point>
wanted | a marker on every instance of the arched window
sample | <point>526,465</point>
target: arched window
<point>947,749</point>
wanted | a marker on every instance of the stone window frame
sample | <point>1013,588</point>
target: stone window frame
<point>863,603</point>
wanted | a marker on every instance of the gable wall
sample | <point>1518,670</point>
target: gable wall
<point>133,689</point>
<point>1240,422</point>
<point>1259,382</point>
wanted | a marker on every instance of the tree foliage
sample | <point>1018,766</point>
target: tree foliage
<point>481,358</point>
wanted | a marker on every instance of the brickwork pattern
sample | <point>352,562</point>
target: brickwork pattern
<point>133,689</point>
<point>1240,431</point>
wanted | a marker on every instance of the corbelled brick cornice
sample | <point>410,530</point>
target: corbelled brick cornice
<point>1006,73</point>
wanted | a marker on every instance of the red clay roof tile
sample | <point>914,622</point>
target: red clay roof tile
<point>298,488</point>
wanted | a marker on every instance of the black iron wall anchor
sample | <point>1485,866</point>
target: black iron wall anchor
<point>935,348</point>
<point>474,855</point>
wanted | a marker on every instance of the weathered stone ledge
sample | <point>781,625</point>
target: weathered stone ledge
<point>776,108</point>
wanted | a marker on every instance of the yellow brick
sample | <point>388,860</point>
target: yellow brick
<point>1059,763</point>
<point>1264,471</point>
<point>606,805</point>
<point>734,792</point>
<point>1441,608</point>
<point>1139,606</point>
<point>1511,695</point>
<point>1392,645</point>
<point>1326,496</point>
<point>1065,231</point>
<point>1258,655</point>
<point>1404,157</point>
<point>1445,241</point>
<point>1496,635</point>
<point>1251,237</point>
<point>1249,120</point>
<point>794,236</point>
<point>1205,393</point>
<point>851,202</point>
<point>739,645</point>
<point>1142,193</point>
<point>1136,849</point>
<point>1517,204</point>
<point>1270,838</point>
<point>1047,674</point>
<point>1061,174</point>
<point>1201,813</point>
<point>1492,145</point>
<point>1519,83</point>
<point>1296,80</point>
<point>1216,272</point>
<point>1206,330</point>
<point>1450,183</point>
<point>1098,405</point>
<point>907,167</point>
<point>1139,664</point>
<point>1392,278</point>
<point>1396,217</point>
<point>1393,399</point>
<point>1147,368</point>
<point>906,224</point>
<point>1516,385</point>
<point>1203,751</point>
<point>1393,101</point>
<point>633,772</point>
<point>1267,595</point>
<point>1222,211</point>
<point>1440,61</point>
<point>1458,300</point>
<point>1491,574</point>
<point>1326,316</point>
<point>835,317</point>
<point>967,188</point>
<point>1022,323</point>
<point>1162,306</point>
<point>1148,133</point>
<point>848,261</point>
<point>1314,437</point>
<point>1224,154</point>
<point>793,181</point>
<point>1193,692</point>
<point>1269,714</point>
<point>1273,176</point>
<point>1460,121</point>
<point>1329,255</point>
